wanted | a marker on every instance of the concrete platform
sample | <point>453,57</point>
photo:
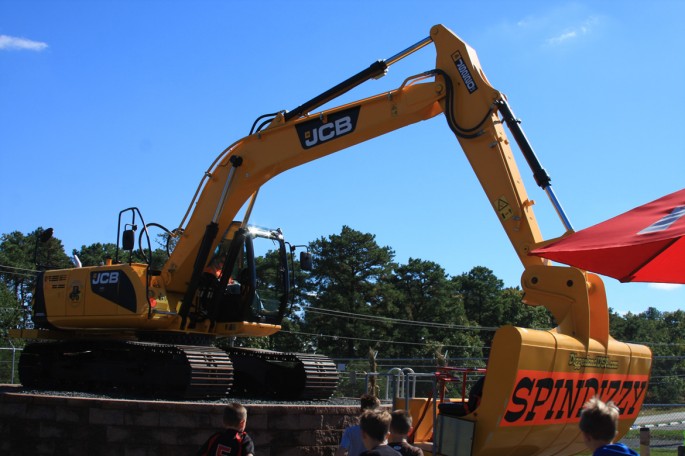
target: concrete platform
<point>67,425</point>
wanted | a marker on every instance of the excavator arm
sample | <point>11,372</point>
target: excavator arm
<point>249,163</point>
<point>457,88</point>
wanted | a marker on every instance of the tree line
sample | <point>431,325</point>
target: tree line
<point>357,299</point>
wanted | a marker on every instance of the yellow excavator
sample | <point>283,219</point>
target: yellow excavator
<point>124,316</point>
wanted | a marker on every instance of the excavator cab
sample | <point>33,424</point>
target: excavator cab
<point>234,289</point>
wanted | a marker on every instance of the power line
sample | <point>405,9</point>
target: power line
<point>18,272</point>
<point>339,313</point>
<point>362,339</point>
<point>427,324</point>
<point>351,315</point>
<point>33,271</point>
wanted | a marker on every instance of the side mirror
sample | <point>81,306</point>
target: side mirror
<point>46,235</point>
<point>306,261</point>
<point>128,240</point>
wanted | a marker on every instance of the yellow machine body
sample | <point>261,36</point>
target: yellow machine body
<point>116,297</point>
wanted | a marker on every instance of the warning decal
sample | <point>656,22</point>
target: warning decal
<point>503,208</point>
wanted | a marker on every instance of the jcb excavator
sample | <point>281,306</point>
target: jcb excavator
<point>536,380</point>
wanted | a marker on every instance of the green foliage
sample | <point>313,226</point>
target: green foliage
<point>96,254</point>
<point>357,300</point>
<point>519,314</point>
<point>10,310</point>
<point>348,277</point>
<point>289,339</point>
<point>423,293</point>
<point>487,303</point>
<point>20,258</point>
<point>480,290</point>
<point>353,379</point>
<point>9,364</point>
<point>663,333</point>
<point>668,389</point>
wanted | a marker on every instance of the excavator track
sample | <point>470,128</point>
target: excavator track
<point>158,369</point>
<point>127,367</point>
<point>284,376</point>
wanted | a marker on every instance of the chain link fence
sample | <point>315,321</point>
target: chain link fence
<point>9,364</point>
<point>660,427</point>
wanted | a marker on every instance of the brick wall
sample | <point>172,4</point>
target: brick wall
<point>56,425</point>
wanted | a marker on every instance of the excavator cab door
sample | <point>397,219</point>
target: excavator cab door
<point>244,291</point>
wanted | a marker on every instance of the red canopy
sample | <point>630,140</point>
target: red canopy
<point>644,244</point>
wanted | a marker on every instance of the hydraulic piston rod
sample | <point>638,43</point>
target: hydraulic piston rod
<point>375,71</point>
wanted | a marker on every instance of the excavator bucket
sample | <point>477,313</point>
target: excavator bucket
<point>537,381</point>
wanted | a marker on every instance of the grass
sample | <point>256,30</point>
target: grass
<point>657,434</point>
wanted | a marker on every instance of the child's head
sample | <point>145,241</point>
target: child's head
<point>369,402</point>
<point>374,425</point>
<point>400,423</point>
<point>235,416</point>
<point>599,420</point>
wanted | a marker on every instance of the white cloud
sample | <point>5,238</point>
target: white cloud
<point>583,28</point>
<point>12,43</point>
<point>563,37</point>
<point>665,286</point>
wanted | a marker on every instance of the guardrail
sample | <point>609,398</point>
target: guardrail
<point>659,426</point>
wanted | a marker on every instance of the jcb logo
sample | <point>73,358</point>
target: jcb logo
<point>104,278</point>
<point>328,131</point>
<point>316,132</point>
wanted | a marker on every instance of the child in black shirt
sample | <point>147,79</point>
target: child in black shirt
<point>233,440</point>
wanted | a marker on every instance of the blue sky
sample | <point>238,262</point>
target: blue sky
<point>107,105</point>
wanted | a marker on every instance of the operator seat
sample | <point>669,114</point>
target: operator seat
<point>458,409</point>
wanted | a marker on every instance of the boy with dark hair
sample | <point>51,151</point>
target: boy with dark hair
<point>233,439</point>
<point>599,425</point>
<point>351,443</point>
<point>375,425</point>
<point>400,427</point>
